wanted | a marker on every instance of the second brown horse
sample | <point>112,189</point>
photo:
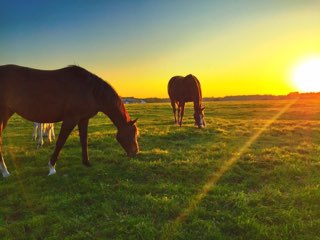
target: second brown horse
<point>186,89</point>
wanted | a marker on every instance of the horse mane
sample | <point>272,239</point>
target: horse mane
<point>103,90</point>
<point>198,85</point>
<point>98,83</point>
<point>198,96</point>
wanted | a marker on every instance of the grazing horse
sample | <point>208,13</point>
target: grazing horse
<point>71,95</point>
<point>186,89</point>
<point>41,130</point>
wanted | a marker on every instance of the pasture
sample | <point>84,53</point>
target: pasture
<point>252,173</point>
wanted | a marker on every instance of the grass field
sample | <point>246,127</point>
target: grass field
<point>252,173</point>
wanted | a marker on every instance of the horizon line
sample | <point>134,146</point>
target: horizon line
<point>237,95</point>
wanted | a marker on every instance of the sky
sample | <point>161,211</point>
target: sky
<point>234,47</point>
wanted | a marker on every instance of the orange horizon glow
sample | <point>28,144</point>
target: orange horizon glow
<point>259,65</point>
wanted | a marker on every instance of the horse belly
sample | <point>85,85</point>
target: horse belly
<point>54,115</point>
<point>38,107</point>
<point>42,114</point>
<point>181,94</point>
<point>184,98</point>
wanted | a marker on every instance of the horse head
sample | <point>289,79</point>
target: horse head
<point>199,117</point>
<point>127,137</point>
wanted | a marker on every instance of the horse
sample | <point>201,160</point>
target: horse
<point>49,131</point>
<point>186,89</point>
<point>72,95</point>
<point>41,130</point>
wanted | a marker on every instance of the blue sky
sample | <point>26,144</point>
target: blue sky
<point>115,30</point>
<point>120,39</point>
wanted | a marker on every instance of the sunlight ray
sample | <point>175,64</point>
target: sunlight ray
<point>214,177</point>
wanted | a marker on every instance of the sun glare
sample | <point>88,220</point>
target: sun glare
<point>306,75</point>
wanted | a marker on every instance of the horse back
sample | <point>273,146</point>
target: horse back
<point>184,89</point>
<point>45,95</point>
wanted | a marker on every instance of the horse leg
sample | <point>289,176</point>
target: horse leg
<point>181,113</point>
<point>34,134</point>
<point>173,104</point>
<point>48,132</point>
<point>52,132</point>
<point>49,135</point>
<point>66,128</point>
<point>3,167</point>
<point>5,114</point>
<point>83,133</point>
<point>45,129</point>
<point>40,134</point>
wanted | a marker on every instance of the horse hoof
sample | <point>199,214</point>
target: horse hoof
<point>5,174</point>
<point>52,169</point>
<point>4,170</point>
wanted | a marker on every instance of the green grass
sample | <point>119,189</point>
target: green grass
<point>271,191</point>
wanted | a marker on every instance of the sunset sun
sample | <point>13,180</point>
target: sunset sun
<point>306,75</point>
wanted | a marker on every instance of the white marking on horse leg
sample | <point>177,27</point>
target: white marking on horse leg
<point>40,143</point>
<point>201,121</point>
<point>4,169</point>
<point>52,169</point>
<point>34,134</point>
<point>40,135</point>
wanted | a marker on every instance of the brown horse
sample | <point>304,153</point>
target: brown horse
<point>186,89</point>
<point>71,95</point>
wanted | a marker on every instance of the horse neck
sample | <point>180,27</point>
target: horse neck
<point>197,104</point>
<point>118,114</point>
<point>197,108</point>
<point>111,104</point>
<point>197,98</point>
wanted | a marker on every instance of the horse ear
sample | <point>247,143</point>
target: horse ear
<point>134,121</point>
